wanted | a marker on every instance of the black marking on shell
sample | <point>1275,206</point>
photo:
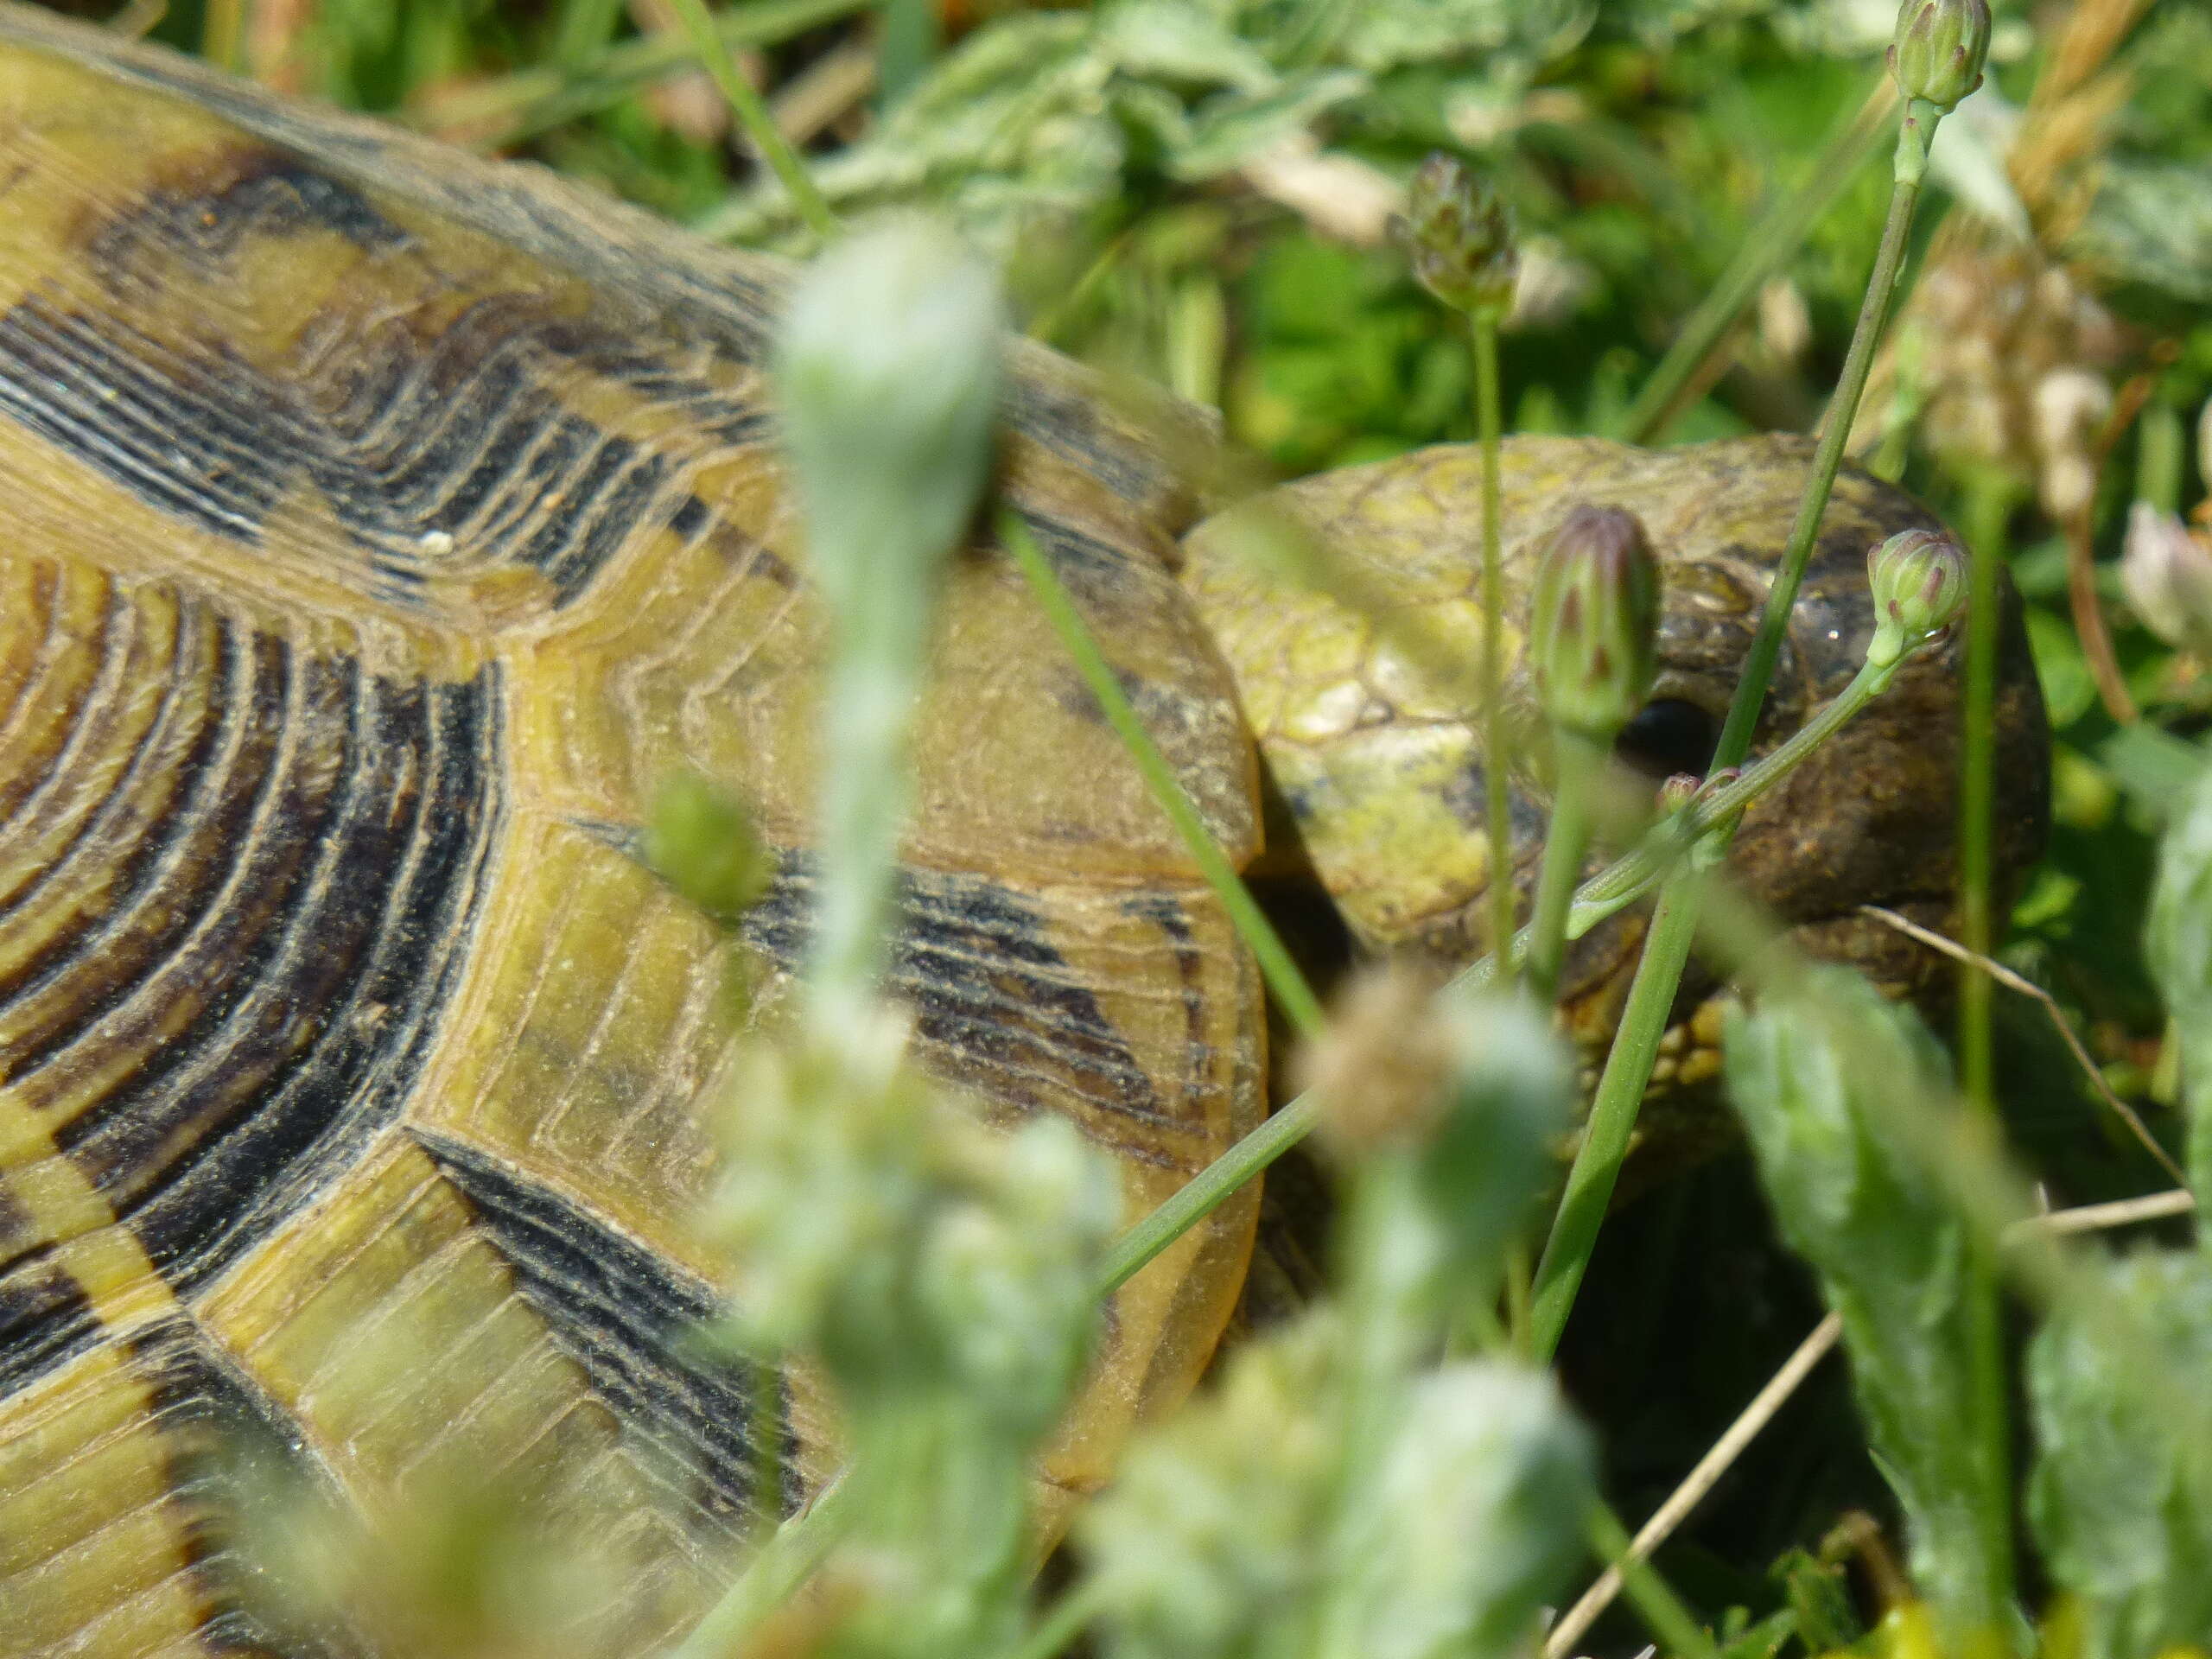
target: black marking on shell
<point>309,907</point>
<point>213,203</point>
<point>1165,912</point>
<point>1095,572</point>
<point>226,1444</point>
<point>1467,796</point>
<point>630,1318</point>
<point>691,518</point>
<point>449,453</point>
<point>45,1319</point>
<point>995,1003</point>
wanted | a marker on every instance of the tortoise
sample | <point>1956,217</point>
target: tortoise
<point>382,524</point>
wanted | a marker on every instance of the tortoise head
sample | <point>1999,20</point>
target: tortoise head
<point>1374,756</point>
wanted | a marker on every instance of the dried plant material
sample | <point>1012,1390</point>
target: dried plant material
<point>2070,407</point>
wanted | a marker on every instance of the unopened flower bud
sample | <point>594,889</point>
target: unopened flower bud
<point>1919,579</point>
<point>1936,53</point>
<point>702,842</point>
<point>1594,622</point>
<point>1382,1062</point>
<point>1459,236</point>
<point>888,365</point>
<point>2165,570</point>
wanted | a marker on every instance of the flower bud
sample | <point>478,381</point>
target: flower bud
<point>1459,236</point>
<point>1679,790</point>
<point>1937,50</point>
<point>888,365</point>
<point>702,842</point>
<point>1919,579</point>
<point>1594,622</point>
<point>1473,1520</point>
<point>2165,570</point>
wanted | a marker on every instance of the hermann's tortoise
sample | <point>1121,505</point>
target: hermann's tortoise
<point>380,526</point>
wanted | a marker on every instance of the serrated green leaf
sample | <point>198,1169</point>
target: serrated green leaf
<point>2121,1505</point>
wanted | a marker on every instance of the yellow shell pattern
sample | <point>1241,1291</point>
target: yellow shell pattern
<point>381,525</point>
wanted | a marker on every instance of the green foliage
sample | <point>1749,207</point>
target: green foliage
<point>1818,1074</point>
<point>1340,1494</point>
<point>2179,945</point>
<point>2122,1494</point>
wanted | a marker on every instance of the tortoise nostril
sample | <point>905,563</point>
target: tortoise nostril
<point>1668,735</point>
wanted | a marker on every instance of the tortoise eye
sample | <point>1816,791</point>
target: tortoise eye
<point>1668,735</point>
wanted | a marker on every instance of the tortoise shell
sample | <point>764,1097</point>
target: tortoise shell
<point>382,527</point>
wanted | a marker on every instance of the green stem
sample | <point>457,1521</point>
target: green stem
<point>752,113</point>
<point>1766,646</point>
<point>773,1576</point>
<point>1612,1112</point>
<point>222,35</point>
<point>507,108</point>
<point>1988,508</point>
<point>1664,1615</point>
<point>1063,1622</point>
<point>1988,505</point>
<point>1673,923</point>
<point>1281,973</point>
<point>909,40</point>
<point>1630,877</point>
<point>1577,763</point>
<point>1771,245</point>
<point>1497,768</point>
<point>1204,1192</point>
<point>1600,897</point>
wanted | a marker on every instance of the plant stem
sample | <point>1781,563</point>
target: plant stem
<point>1281,973</point>
<point>1577,763</point>
<point>1989,506</point>
<point>1204,1193</point>
<point>1759,663</point>
<point>1771,243</point>
<point>1673,923</point>
<point>1498,804</point>
<point>752,113</point>
<point>1062,1623</point>
<point>908,41</point>
<point>1633,875</point>
<point>1612,1112</point>
<point>506,108</point>
<point>1663,1613</point>
<point>222,35</point>
<point>771,1577</point>
<point>1598,898</point>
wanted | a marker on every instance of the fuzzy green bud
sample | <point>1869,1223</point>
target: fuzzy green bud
<point>1459,236</point>
<point>888,364</point>
<point>1473,1518</point>
<point>1919,579</point>
<point>1594,622</point>
<point>1937,50</point>
<point>701,842</point>
<point>888,367</point>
